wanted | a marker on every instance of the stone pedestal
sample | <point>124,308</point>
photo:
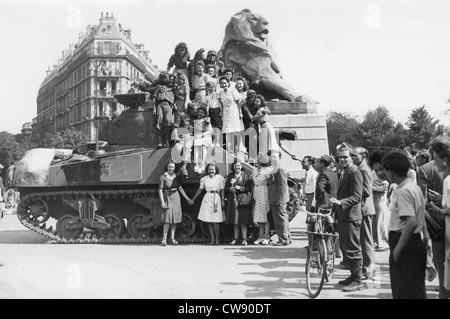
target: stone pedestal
<point>310,128</point>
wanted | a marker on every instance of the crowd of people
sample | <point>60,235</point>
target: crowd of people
<point>200,102</point>
<point>394,200</point>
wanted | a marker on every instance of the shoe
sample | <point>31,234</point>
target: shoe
<point>174,242</point>
<point>233,242</point>
<point>346,281</point>
<point>353,286</point>
<point>212,242</point>
<point>217,242</point>
<point>264,242</point>
<point>381,249</point>
<point>344,265</point>
<point>163,243</point>
<point>159,146</point>
<point>244,242</point>
<point>281,243</point>
<point>258,241</point>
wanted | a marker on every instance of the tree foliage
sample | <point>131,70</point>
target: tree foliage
<point>68,139</point>
<point>342,127</point>
<point>422,128</point>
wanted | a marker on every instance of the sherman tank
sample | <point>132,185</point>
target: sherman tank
<point>107,190</point>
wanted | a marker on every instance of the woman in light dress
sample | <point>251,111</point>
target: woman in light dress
<point>232,123</point>
<point>211,210</point>
<point>261,208</point>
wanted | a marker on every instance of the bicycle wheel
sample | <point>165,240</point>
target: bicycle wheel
<point>316,264</point>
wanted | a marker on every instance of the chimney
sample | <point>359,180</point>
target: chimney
<point>88,29</point>
<point>48,71</point>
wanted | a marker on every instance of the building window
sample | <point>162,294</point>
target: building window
<point>102,88</point>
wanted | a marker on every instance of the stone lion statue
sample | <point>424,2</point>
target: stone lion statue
<point>247,49</point>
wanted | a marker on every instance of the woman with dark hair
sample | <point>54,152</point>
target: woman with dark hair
<point>239,215</point>
<point>169,186</point>
<point>199,56</point>
<point>380,187</point>
<point>179,59</point>
<point>242,88</point>
<point>211,208</point>
<point>231,112</point>
<point>408,251</point>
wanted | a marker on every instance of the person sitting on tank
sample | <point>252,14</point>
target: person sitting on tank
<point>202,139</point>
<point>179,59</point>
<point>182,100</point>
<point>211,58</point>
<point>163,101</point>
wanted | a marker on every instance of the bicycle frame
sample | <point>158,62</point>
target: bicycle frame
<point>320,253</point>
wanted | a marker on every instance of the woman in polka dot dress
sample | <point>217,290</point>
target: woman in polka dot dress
<point>260,192</point>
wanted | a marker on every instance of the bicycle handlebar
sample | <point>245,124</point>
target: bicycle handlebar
<point>328,210</point>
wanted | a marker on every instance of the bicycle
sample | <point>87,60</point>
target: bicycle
<point>321,252</point>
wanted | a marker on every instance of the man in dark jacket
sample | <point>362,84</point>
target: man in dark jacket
<point>348,210</point>
<point>368,212</point>
<point>431,181</point>
<point>278,199</point>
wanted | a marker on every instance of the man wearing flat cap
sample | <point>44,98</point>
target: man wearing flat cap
<point>211,58</point>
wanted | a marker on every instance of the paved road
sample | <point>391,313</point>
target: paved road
<point>34,269</point>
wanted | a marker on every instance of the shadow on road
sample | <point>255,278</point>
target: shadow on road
<point>21,237</point>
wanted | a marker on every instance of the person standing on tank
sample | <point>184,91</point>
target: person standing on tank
<point>169,189</point>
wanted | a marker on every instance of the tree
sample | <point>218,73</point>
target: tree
<point>377,128</point>
<point>68,139</point>
<point>422,128</point>
<point>342,127</point>
<point>11,151</point>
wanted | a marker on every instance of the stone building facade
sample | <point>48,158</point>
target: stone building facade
<point>79,90</point>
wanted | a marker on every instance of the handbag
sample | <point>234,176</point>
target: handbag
<point>245,199</point>
<point>435,228</point>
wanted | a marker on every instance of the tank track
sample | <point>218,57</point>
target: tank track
<point>90,238</point>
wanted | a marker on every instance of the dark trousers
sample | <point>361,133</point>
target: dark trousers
<point>408,272</point>
<point>349,239</point>
<point>280,221</point>
<point>367,247</point>
<point>438,247</point>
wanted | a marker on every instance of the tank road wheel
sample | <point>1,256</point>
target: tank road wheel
<point>134,229</point>
<point>38,211</point>
<point>116,226</point>
<point>293,206</point>
<point>62,227</point>
<point>187,226</point>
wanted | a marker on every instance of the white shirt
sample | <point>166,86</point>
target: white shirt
<point>310,181</point>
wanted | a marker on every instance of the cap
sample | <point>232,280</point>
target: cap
<point>212,52</point>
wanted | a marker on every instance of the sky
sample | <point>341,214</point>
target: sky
<point>349,55</point>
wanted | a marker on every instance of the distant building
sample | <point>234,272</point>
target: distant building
<point>80,87</point>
